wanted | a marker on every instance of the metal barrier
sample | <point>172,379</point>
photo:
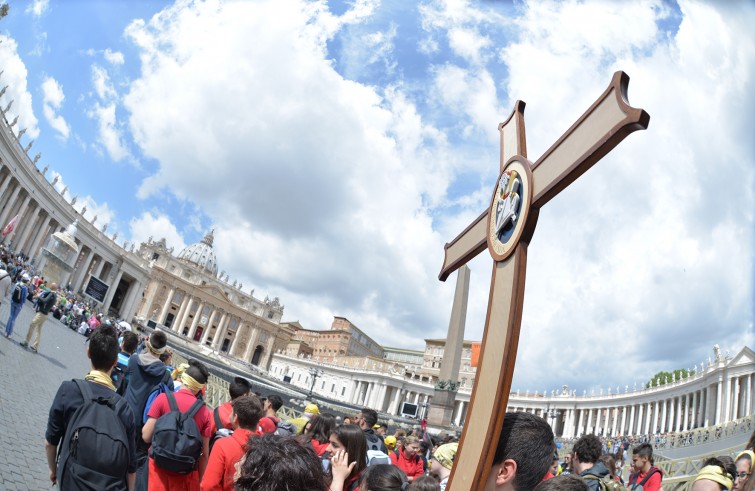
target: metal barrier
<point>216,391</point>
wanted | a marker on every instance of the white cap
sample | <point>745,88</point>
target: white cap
<point>25,277</point>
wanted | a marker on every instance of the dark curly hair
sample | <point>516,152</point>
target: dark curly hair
<point>277,463</point>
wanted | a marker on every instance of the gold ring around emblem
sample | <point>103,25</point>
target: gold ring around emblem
<point>509,207</point>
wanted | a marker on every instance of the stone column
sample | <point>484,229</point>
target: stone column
<point>5,184</point>
<point>719,402</point>
<point>127,307</point>
<point>355,392</point>
<point>196,319</point>
<point>640,418</point>
<point>6,214</point>
<point>82,272</point>
<point>219,331</point>
<point>21,211</point>
<point>647,418</point>
<point>98,269</point>
<point>624,430</point>
<point>693,416</point>
<point>664,428</point>
<point>111,291</point>
<point>598,418</point>
<point>631,430</point>
<point>180,321</point>
<point>42,231</point>
<point>367,394</point>
<point>28,227</point>
<point>459,417</point>
<point>748,397</point>
<point>589,428</point>
<point>615,424</point>
<point>166,306</point>
<point>236,337</point>
<point>581,424</point>
<point>251,344</point>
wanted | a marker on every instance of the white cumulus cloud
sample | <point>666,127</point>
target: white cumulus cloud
<point>52,101</point>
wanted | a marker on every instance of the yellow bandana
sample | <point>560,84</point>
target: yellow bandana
<point>190,383</point>
<point>716,474</point>
<point>751,455</point>
<point>155,351</point>
<point>101,378</point>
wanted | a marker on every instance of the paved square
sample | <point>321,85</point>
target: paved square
<point>28,383</point>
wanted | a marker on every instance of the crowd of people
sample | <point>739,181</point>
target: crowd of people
<point>21,284</point>
<point>137,422</point>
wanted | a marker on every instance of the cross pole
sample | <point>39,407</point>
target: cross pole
<point>506,229</point>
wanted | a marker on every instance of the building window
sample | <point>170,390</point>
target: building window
<point>155,256</point>
<point>270,315</point>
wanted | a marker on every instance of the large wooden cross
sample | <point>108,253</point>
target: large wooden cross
<point>506,229</point>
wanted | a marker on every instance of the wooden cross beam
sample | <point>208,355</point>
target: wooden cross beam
<point>506,229</point>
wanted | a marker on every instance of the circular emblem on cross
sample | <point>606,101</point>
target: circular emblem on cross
<point>509,207</point>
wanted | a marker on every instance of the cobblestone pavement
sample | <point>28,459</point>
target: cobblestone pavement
<point>28,383</point>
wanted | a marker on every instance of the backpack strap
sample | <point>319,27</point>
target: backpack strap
<point>216,415</point>
<point>652,471</point>
<point>172,401</point>
<point>86,392</point>
<point>194,409</point>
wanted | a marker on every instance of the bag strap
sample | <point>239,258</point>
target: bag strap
<point>194,409</point>
<point>652,471</point>
<point>216,415</point>
<point>86,392</point>
<point>172,401</point>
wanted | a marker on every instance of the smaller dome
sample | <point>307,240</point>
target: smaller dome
<point>201,254</point>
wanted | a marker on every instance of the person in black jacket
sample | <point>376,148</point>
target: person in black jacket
<point>586,461</point>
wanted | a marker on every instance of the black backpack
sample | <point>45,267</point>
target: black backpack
<point>90,458</point>
<point>220,430</point>
<point>18,293</point>
<point>176,442</point>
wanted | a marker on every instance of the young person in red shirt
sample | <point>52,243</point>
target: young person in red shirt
<point>193,381</point>
<point>239,387</point>
<point>649,476</point>
<point>269,422</point>
<point>318,435</point>
<point>407,458</point>
<point>228,451</point>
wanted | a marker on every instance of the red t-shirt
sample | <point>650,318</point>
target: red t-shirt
<point>413,467</point>
<point>184,400</point>
<point>161,479</point>
<point>222,464</point>
<point>653,484</point>
<point>224,412</point>
<point>268,424</point>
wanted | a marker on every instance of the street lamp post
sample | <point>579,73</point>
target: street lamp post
<point>314,373</point>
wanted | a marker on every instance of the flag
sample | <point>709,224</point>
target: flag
<point>11,225</point>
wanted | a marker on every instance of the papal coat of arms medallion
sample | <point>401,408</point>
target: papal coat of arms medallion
<point>508,208</point>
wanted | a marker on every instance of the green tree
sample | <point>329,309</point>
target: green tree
<point>4,9</point>
<point>663,378</point>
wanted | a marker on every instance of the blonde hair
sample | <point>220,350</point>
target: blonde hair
<point>409,440</point>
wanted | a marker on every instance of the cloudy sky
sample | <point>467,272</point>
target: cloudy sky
<point>336,146</point>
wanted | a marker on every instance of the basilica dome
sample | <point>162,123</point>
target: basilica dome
<point>201,255</point>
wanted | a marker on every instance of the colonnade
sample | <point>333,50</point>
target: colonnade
<point>41,212</point>
<point>35,224</point>
<point>715,402</point>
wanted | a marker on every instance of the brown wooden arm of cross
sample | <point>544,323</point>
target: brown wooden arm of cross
<point>585,143</point>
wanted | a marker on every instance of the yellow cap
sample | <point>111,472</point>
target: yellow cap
<point>390,442</point>
<point>312,408</point>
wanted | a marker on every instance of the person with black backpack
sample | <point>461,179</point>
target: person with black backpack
<point>366,419</point>
<point>90,437</point>
<point>145,372</point>
<point>179,430</point>
<point>17,299</point>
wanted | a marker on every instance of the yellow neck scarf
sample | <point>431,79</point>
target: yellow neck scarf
<point>101,378</point>
<point>716,474</point>
<point>190,383</point>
